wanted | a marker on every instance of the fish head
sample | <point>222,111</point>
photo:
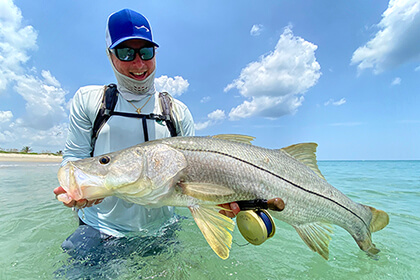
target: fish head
<point>98,177</point>
<point>139,174</point>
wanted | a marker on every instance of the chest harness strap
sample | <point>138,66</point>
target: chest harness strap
<point>106,110</point>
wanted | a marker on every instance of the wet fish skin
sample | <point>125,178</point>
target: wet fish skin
<point>201,172</point>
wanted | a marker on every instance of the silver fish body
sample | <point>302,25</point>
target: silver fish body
<point>201,172</point>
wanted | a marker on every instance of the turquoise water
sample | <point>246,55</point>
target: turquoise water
<point>33,225</point>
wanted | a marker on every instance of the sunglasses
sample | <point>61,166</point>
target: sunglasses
<point>129,54</point>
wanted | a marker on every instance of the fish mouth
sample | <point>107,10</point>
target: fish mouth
<point>80,185</point>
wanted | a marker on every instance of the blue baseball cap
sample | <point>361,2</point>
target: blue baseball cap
<point>125,25</point>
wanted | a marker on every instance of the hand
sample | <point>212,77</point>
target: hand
<point>233,209</point>
<point>73,203</point>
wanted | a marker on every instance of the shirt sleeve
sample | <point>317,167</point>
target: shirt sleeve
<point>188,124</point>
<point>185,125</point>
<point>83,110</point>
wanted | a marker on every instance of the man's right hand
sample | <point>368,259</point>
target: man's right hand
<point>76,203</point>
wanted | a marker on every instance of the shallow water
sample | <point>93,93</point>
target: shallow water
<point>33,225</point>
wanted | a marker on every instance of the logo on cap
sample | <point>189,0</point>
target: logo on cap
<point>140,27</point>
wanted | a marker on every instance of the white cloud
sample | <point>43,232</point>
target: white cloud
<point>396,81</point>
<point>201,125</point>
<point>205,99</point>
<point>270,107</point>
<point>175,86</point>
<point>396,42</point>
<point>45,103</point>
<point>335,103</point>
<point>256,29</point>
<point>5,116</point>
<point>51,140</point>
<point>44,98</point>
<point>214,117</point>
<point>274,85</point>
<point>217,115</point>
<point>49,79</point>
<point>15,41</point>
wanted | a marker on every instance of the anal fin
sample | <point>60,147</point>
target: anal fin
<point>316,236</point>
<point>216,228</point>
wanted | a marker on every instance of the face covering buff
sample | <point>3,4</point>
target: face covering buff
<point>132,89</point>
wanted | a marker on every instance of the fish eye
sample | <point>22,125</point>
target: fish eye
<point>104,160</point>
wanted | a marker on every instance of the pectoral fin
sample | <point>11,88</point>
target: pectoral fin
<point>216,228</point>
<point>205,191</point>
<point>316,236</point>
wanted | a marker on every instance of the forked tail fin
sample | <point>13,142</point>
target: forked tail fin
<point>380,219</point>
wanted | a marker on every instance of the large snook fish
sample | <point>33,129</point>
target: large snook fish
<point>201,172</point>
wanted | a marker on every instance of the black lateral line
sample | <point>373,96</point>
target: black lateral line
<point>271,173</point>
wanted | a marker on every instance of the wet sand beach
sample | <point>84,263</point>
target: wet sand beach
<point>29,158</point>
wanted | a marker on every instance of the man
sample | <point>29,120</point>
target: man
<point>131,51</point>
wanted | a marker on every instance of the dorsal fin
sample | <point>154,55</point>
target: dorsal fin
<point>305,153</point>
<point>235,138</point>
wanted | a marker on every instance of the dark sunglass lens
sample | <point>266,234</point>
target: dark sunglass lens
<point>125,54</point>
<point>147,53</point>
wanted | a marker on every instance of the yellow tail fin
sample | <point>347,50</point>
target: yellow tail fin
<point>380,219</point>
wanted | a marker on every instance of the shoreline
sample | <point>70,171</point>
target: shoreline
<point>29,158</point>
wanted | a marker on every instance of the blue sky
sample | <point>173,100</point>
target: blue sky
<point>343,74</point>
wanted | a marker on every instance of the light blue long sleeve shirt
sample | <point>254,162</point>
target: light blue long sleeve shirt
<point>115,216</point>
